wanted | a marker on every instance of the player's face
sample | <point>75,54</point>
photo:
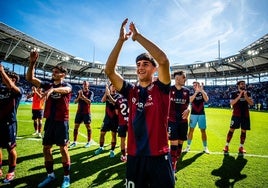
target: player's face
<point>57,74</point>
<point>85,85</point>
<point>196,85</point>
<point>242,86</point>
<point>112,89</point>
<point>180,79</point>
<point>145,70</point>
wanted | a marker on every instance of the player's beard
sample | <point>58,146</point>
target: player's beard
<point>243,88</point>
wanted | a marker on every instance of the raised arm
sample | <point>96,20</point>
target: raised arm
<point>30,72</point>
<point>156,52</point>
<point>110,68</point>
<point>8,81</point>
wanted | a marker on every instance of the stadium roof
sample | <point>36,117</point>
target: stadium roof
<point>15,47</point>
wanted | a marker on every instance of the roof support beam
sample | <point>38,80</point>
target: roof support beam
<point>10,49</point>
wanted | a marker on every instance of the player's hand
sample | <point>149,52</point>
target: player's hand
<point>185,114</point>
<point>80,93</point>
<point>202,86</point>
<point>123,33</point>
<point>134,31</point>
<point>47,93</point>
<point>1,68</point>
<point>245,93</point>
<point>33,56</point>
<point>198,88</point>
<point>107,91</point>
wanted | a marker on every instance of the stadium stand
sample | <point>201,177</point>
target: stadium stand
<point>250,64</point>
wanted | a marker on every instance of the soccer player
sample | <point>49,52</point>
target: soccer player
<point>122,112</point>
<point>58,95</point>
<point>83,114</point>
<point>110,121</point>
<point>37,109</point>
<point>148,160</point>
<point>197,99</point>
<point>10,96</point>
<point>178,116</point>
<point>240,101</point>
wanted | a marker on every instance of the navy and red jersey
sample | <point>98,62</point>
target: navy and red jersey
<point>83,106</point>
<point>57,105</point>
<point>110,106</point>
<point>241,108</point>
<point>198,105</point>
<point>122,107</point>
<point>179,102</point>
<point>9,102</point>
<point>148,112</point>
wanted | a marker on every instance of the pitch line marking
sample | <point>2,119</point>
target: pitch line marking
<point>231,154</point>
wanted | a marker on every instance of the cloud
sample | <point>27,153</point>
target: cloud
<point>187,30</point>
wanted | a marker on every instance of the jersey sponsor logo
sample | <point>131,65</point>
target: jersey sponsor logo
<point>242,99</point>
<point>5,96</point>
<point>198,98</point>
<point>55,95</point>
<point>178,101</point>
<point>5,93</point>
<point>140,105</point>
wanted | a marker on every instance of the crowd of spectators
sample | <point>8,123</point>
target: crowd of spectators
<point>218,95</point>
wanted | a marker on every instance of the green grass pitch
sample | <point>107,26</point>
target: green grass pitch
<point>195,169</point>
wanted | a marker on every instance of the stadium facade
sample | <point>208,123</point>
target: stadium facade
<point>250,63</point>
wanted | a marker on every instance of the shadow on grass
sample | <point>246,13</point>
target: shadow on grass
<point>230,171</point>
<point>184,163</point>
<point>85,165</point>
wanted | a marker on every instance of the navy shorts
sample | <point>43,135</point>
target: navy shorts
<point>240,122</point>
<point>56,132</point>
<point>149,171</point>
<point>122,130</point>
<point>79,118</point>
<point>8,133</point>
<point>37,114</point>
<point>177,131</point>
<point>109,124</point>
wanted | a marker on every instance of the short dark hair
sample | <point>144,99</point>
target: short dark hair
<point>148,57</point>
<point>178,73</point>
<point>240,81</point>
<point>61,69</point>
<point>13,75</point>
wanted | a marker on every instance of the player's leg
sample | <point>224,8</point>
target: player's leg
<point>66,164</point>
<point>122,133</point>
<point>235,123</point>
<point>192,125</point>
<point>101,142</point>
<point>87,121</point>
<point>202,126</point>
<point>113,144</point>
<point>173,132</point>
